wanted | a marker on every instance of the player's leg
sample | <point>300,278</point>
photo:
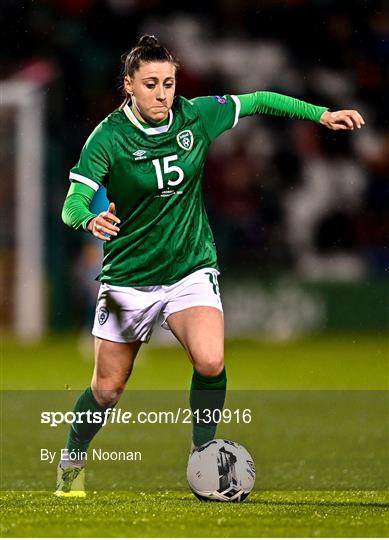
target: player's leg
<point>124,319</point>
<point>200,330</point>
<point>113,366</point>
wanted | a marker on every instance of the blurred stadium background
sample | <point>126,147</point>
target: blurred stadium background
<point>300,214</point>
<point>301,220</point>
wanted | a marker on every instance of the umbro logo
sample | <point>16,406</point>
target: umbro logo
<point>140,154</point>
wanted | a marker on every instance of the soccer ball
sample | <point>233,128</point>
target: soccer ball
<point>221,470</point>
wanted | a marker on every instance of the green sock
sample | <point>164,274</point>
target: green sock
<point>81,434</point>
<point>206,393</point>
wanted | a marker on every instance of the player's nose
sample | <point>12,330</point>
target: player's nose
<point>161,95</point>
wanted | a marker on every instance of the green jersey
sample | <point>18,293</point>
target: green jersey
<point>154,177</point>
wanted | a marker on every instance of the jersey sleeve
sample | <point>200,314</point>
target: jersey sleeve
<point>279,105</point>
<point>96,159</point>
<point>218,113</point>
<point>76,212</point>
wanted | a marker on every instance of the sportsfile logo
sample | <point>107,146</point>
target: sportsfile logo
<point>120,416</point>
<point>140,154</point>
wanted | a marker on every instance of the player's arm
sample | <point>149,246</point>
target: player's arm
<point>280,105</point>
<point>219,113</point>
<point>76,213</point>
<point>91,171</point>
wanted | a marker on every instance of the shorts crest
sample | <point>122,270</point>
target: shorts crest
<point>102,315</point>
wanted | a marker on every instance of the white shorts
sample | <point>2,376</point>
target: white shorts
<point>126,314</point>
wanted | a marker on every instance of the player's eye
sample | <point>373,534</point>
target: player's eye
<point>150,86</point>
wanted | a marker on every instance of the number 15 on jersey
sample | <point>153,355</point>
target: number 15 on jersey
<point>166,169</point>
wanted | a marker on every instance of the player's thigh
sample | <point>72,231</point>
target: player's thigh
<point>200,330</point>
<point>113,364</point>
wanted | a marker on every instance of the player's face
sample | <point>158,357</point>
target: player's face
<point>152,88</point>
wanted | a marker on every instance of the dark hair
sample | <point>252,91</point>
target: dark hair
<point>148,49</point>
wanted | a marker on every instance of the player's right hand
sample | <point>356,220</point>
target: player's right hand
<point>342,120</point>
<point>103,225</point>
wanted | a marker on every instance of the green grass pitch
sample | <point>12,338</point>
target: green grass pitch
<point>295,379</point>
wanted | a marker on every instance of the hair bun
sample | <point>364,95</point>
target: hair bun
<point>148,41</point>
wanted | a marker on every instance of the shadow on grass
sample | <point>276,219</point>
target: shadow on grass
<point>114,497</point>
<point>335,504</point>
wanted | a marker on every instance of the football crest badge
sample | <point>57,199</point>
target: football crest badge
<point>102,315</point>
<point>185,139</point>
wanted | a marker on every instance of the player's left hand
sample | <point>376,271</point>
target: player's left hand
<point>337,120</point>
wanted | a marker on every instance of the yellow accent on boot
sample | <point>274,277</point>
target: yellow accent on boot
<point>70,482</point>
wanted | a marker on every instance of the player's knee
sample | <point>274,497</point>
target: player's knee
<point>211,367</point>
<point>107,398</point>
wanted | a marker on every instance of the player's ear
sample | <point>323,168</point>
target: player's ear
<point>127,84</point>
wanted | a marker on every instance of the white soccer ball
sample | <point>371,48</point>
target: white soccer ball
<point>221,470</point>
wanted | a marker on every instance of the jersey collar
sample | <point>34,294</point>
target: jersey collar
<point>150,130</point>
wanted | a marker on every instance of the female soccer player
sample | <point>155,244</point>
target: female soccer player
<point>159,252</point>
